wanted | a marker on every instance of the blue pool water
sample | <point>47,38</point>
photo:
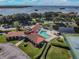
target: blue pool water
<point>43,33</point>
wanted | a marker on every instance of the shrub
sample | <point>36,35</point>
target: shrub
<point>60,40</point>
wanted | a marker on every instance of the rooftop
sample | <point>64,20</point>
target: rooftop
<point>36,27</point>
<point>35,37</point>
<point>19,33</point>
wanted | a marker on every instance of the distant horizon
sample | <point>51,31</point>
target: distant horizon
<point>20,6</point>
<point>40,2</point>
<point>41,9</point>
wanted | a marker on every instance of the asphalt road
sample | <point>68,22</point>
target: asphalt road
<point>10,51</point>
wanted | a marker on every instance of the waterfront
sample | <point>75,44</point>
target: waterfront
<point>39,9</point>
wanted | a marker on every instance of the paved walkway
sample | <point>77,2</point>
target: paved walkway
<point>17,44</point>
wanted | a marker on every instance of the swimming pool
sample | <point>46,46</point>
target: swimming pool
<point>74,45</point>
<point>43,33</point>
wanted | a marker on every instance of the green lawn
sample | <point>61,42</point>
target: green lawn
<point>2,39</point>
<point>30,49</point>
<point>57,53</point>
<point>14,42</point>
<point>71,34</point>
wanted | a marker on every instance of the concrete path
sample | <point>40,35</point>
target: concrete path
<point>17,44</point>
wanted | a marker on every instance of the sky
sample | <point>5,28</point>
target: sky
<point>41,2</point>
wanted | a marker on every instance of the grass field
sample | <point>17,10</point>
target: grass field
<point>57,53</point>
<point>2,39</point>
<point>30,49</point>
<point>14,42</point>
<point>71,34</point>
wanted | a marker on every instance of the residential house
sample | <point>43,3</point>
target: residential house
<point>66,30</point>
<point>28,36</point>
<point>36,39</point>
<point>36,27</point>
<point>14,35</point>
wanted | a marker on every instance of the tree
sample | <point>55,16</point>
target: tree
<point>17,25</point>
<point>36,15</point>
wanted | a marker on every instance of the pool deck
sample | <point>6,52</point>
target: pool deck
<point>44,33</point>
<point>48,35</point>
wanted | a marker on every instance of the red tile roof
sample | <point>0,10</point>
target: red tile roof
<point>35,38</point>
<point>11,34</point>
<point>36,27</point>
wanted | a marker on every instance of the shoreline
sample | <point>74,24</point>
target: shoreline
<point>9,10</point>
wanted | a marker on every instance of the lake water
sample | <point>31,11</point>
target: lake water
<point>42,9</point>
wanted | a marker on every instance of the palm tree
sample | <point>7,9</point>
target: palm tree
<point>17,25</point>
